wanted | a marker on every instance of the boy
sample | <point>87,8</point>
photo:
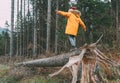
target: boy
<point>73,22</point>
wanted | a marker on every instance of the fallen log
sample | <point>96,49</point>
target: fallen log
<point>54,61</point>
<point>88,55</point>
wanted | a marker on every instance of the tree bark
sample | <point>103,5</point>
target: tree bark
<point>48,26</point>
<point>35,29</point>
<point>17,28</point>
<point>12,26</point>
<point>117,22</point>
<point>21,27</point>
<point>54,61</point>
<point>56,31</point>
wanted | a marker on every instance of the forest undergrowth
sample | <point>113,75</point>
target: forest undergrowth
<point>11,74</point>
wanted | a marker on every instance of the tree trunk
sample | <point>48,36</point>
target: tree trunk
<point>21,27</point>
<point>57,60</point>
<point>12,26</point>
<point>24,27</point>
<point>54,61</point>
<point>56,33</point>
<point>35,29</point>
<point>28,19</point>
<point>17,28</point>
<point>88,69</point>
<point>48,26</point>
<point>117,22</point>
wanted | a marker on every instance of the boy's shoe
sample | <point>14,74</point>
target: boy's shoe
<point>73,49</point>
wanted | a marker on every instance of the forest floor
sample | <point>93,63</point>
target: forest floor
<point>11,74</point>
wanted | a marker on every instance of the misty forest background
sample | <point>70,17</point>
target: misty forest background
<point>37,29</point>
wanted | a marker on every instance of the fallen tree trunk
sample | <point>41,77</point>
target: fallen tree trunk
<point>88,55</point>
<point>54,61</point>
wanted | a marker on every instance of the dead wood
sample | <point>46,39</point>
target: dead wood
<point>88,55</point>
<point>54,61</point>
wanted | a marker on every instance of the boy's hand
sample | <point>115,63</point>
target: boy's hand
<point>56,11</point>
<point>85,29</point>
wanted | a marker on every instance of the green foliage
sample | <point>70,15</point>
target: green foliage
<point>4,43</point>
<point>96,15</point>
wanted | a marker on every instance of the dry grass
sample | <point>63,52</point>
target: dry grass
<point>44,71</point>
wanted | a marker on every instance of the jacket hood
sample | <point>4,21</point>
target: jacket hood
<point>76,12</point>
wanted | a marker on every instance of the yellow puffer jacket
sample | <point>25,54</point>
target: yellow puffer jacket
<point>72,23</point>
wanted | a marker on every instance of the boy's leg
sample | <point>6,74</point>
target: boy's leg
<point>72,40</point>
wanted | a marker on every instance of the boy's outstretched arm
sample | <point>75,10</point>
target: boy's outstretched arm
<point>66,14</point>
<point>82,24</point>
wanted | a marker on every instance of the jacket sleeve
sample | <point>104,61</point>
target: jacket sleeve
<point>82,24</point>
<point>65,14</point>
